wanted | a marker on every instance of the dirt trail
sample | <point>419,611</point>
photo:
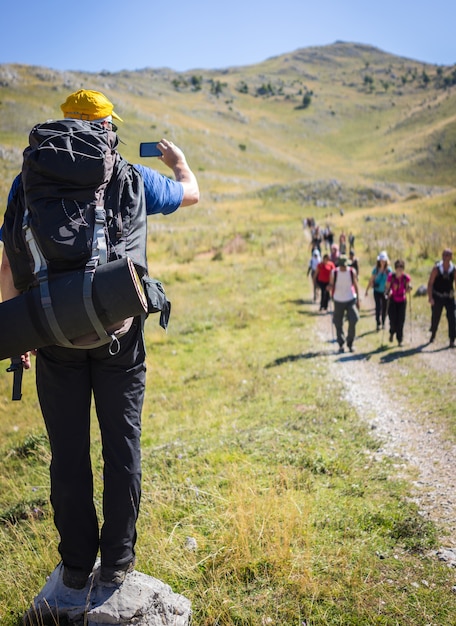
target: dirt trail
<point>413,446</point>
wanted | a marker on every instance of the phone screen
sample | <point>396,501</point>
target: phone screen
<point>149,149</point>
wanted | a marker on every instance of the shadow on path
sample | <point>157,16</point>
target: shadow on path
<point>401,354</point>
<point>291,358</point>
<point>299,302</point>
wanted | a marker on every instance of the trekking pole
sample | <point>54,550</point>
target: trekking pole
<point>331,319</point>
<point>411,327</point>
<point>17,367</point>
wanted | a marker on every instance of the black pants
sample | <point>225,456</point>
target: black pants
<point>396,314</point>
<point>439,304</point>
<point>66,379</point>
<point>380,307</point>
<point>348,309</point>
<point>324,300</point>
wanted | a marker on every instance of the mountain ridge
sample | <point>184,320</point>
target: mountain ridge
<point>344,111</point>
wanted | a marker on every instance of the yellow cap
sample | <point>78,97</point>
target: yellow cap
<point>88,105</point>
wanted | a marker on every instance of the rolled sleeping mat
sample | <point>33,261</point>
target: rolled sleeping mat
<point>117,294</point>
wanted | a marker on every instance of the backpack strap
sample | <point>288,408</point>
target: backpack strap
<point>99,247</point>
<point>336,272</point>
<point>41,272</point>
<point>99,256</point>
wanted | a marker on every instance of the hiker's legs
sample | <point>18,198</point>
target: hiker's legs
<point>64,391</point>
<point>353,317</point>
<point>314,286</point>
<point>119,384</point>
<point>450,312</point>
<point>400,320</point>
<point>436,314</point>
<point>384,308</point>
<point>379,317</point>
<point>338,320</point>
<point>324,295</point>
<point>392,314</point>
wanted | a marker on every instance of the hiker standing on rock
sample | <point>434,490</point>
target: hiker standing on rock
<point>344,287</point>
<point>440,291</point>
<point>378,280</point>
<point>398,285</point>
<point>67,377</point>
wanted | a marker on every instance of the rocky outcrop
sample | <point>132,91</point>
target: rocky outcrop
<point>140,601</point>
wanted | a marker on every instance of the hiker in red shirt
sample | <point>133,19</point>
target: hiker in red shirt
<point>322,277</point>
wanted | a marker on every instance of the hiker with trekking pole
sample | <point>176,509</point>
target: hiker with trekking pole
<point>377,281</point>
<point>77,214</point>
<point>343,285</point>
<point>440,291</point>
<point>398,285</point>
<point>322,277</point>
<point>312,270</point>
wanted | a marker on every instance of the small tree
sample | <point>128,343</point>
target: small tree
<point>243,87</point>
<point>306,100</point>
<point>217,87</point>
<point>369,82</point>
<point>196,82</point>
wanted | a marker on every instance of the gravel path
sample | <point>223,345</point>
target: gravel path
<point>424,449</point>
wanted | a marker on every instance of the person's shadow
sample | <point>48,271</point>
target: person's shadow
<point>401,354</point>
<point>303,302</point>
<point>291,358</point>
<point>299,302</point>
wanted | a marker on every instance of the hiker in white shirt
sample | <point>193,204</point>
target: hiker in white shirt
<point>344,287</point>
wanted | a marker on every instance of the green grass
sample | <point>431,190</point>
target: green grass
<point>247,448</point>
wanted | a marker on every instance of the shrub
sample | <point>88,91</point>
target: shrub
<point>243,87</point>
<point>307,99</point>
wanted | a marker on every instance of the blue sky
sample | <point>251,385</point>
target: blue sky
<point>201,34</point>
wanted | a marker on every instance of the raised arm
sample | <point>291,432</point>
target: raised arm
<point>175,159</point>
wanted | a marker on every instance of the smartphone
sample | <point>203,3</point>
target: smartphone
<point>149,149</point>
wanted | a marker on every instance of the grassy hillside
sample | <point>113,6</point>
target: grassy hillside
<point>372,117</point>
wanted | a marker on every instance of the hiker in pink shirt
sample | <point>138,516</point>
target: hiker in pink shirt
<point>398,285</point>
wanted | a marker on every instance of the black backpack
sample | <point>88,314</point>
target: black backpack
<point>78,204</point>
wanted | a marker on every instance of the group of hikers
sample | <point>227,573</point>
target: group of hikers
<point>336,276</point>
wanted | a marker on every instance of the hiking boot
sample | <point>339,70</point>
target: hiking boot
<point>341,349</point>
<point>452,344</point>
<point>117,574</point>
<point>431,338</point>
<point>399,343</point>
<point>350,347</point>
<point>391,336</point>
<point>74,578</point>
<point>378,327</point>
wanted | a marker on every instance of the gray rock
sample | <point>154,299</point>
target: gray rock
<point>421,291</point>
<point>140,601</point>
<point>448,555</point>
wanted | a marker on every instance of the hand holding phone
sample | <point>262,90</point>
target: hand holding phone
<point>149,149</point>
